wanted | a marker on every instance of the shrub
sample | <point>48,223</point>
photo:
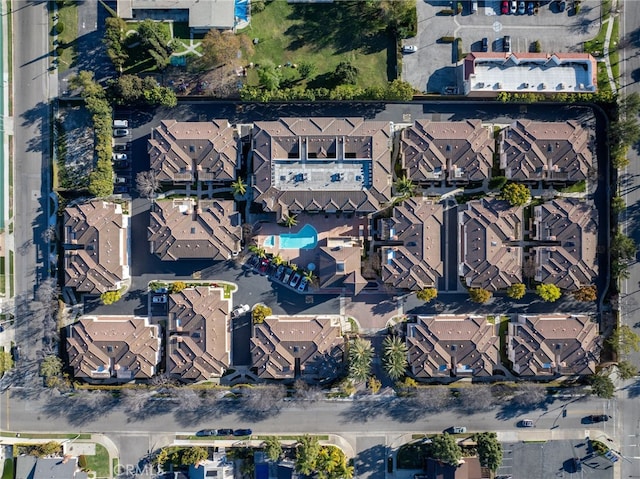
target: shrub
<point>447,39</point>
<point>260,312</point>
<point>537,47</point>
<point>110,297</point>
<point>257,6</point>
<point>59,28</point>
<point>177,286</point>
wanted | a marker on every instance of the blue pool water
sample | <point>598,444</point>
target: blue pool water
<point>241,10</point>
<point>269,242</point>
<point>306,238</point>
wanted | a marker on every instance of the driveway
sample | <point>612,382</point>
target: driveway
<point>432,68</point>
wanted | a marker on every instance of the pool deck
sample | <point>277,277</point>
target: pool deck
<point>327,226</point>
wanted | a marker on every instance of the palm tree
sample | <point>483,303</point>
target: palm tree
<point>277,260</point>
<point>290,221</point>
<point>293,266</point>
<point>405,187</point>
<point>239,187</point>
<point>360,357</point>
<point>258,251</point>
<point>395,357</point>
<point>311,277</point>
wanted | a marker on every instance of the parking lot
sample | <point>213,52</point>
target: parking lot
<point>434,67</point>
<point>122,159</point>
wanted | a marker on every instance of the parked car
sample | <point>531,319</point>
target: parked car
<point>120,165</point>
<point>240,310</point>
<point>264,265</point>
<point>279,272</point>
<point>506,43</point>
<point>409,49</point>
<point>458,429</point>
<point>303,284</point>
<point>224,432</point>
<point>120,132</point>
<point>120,180</point>
<point>521,8</point>
<point>242,432</point>
<point>287,275</point>
<point>598,418</point>
<point>121,123</point>
<point>526,423</point>
<point>530,8</point>
<point>253,262</point>
<point>162,290</point>
<point>121,189</point>
<point>514,6</point>
<point>206,432</point>
<point>562,6</point>
<point>119,156</point>
<point>485,44</point>
<point>505,7</point>
<point>294,280</point>
<point>122,147</point>
<point>159,299</point>
<point>15,353</point>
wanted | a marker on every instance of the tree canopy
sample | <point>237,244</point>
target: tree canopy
<point>586,293</point>
<point>548,292</point>
<point>444,448</point>
<point>360,357</point>
<point>516,291</point>
<point>602,386</point>
<point>110,297</point>
<point>394,359</point>
<point>489,450</point>
<point>307,452</point>
<point>479,295</point>
<point>516,194</point>
<point>624,340</point>
<point>427,294</point>
<point>273,448</point>
<point>260,311</point>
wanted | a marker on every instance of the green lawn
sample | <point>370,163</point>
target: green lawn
<point>100,462</point>
<point>68,16</point>
<point>323,35</point>
<point>614,55</point>
<point>579,187</point>
<point>139,60</point>
<point>7,472</point>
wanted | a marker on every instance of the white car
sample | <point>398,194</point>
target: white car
<point>294,280</point>
<point>119,156</point>
<point>159,299</point>
<point>526,423</point>
<point>240,310</point>
<point>303,284</point>
<point>514,7</point>
<point>409,49</point>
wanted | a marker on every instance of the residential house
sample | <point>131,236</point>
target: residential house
<point>469,468</point>
<point>411,257</point>
<point>461,150</point>
<point>567,229</point>
<point>331,165</point>
<point>339,265</point>
<point>546,151</point>
<point>202,16</point>
<point>447,345</point>
<point>96,247</point>
<point>217,466</point>
<point>198,339</point>
<point>267,469</point>
<point>121,348</point>
<point>491,73</point>
<point>554,344</point>
<point>31,467</point>
<point>490,253</point>
<point>184,229</point>
<point>183,151</point>
<point>289,347</point>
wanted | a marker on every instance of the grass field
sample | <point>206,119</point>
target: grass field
<point>100,463</point>
<point>7,472</point>
<point>323,35</point>
<point>139,60</point>
<point>614,55</point>
<point>68,16</point>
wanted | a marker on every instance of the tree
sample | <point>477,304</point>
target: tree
<point>110,297</point>
<point>260,311</point>
<point>405,187</point>
<point>331,463</point>
<point>290,221</point>
<point>445,449</point>
<point>394,359</point>
<point>476,398</point>
<point>345,73</point>
<point>479,295</point>
<point>626,131</point>
<point>528,394</point>
<point>516,194</point>
<point>307,451</point>
<point>147,183</point>
<point>623,247</point>
<point>278,260</point>
<point>219,48</point>
<point>193,455</point>
<point>51,366</point>
<point>261,399</point>
<point>620,270</point>
<point>258,251</point>
<point>272,448</point>
<point>47,449</point>
<point>516,291</point>
<point>306,69</point>
<point>497,182</point>
<point>135,400</point>
<point>360,357</point>
<point>624,340</point>
<point>618,204</point>
<point>537,47</point>
<point>399,90</point>
<point>630,104</point>
<point>239,187</point>
<point>427,294</point>
<point>160,95</point>
<point>374,384</point>
<point>269,76</point>
<point>186,398</point>
<point>548,292</point>
<point>177,286</point>
<point>626,370</point>
<point>114,37</point>
<point>47,290</point>
<point>586,294</point>
<point>489,450</point>
<point>602,386</point>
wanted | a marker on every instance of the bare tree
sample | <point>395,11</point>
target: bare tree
<point>49,234</point>
<point>476,398</point>
<point>432,397</point>
<point>47,290</point>
<point>163,380</point>
<point>262,399</point>
<point>306,393</point>
<point>135,400</point>
<point>186,398</point>
<point>147,183</point>
<point>529,268</point>
<point>529,394</point>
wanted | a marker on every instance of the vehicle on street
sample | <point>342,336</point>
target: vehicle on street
<point>15,353</point>
<point>526,423</point>
<point>121,189</point>
<point>119,156</point>
<point>505,7</point>
<point>303,284</point>
<point>159,299</point>
<point>485,44</point>
<point>294,280</point>
<point>240,310</point>
<point>521,8</point>
<point>206,432</point>
<point>287,275</point>
<point>121,147</point>
<point>506,43</point>
<point>120,132</point>
<point>264,265</point>
<point>514,6</point>
<point>242,432</point>
<point>458,429</point>
<point>224,432</point>
<point>121,123</point>
<point>598,418</point>
<point>120,165</point>
<point>409,49</point>
<point>279,272</point>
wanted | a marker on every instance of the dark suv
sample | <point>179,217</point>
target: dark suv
<point>598,418</point>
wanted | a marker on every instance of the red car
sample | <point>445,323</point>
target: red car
<point>505,7</point>
<point>264,265</point>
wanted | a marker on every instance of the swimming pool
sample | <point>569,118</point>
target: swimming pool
<point>269,241</point>
<point>306,238</point>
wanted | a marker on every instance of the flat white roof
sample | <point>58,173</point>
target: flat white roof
<point>202,13</point>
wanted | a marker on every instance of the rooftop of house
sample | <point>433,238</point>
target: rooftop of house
<point>551,151</point>
<point>96,240</point>
<point>530,72</point>
<point>31,467</point>
<point>288,346</point>
<point>340,264</point>
<point>322,164</point>
<point>202,15</point>
<point>184,229</point>
<point>459,150</point>
<point>446,344</point>
<point>490,255</point>
<point>198,341</point>
<point>185,151</point>
<point>568,228</point>
<point>540,345</point>
<point>121,347</point>
<point>417,262</point>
